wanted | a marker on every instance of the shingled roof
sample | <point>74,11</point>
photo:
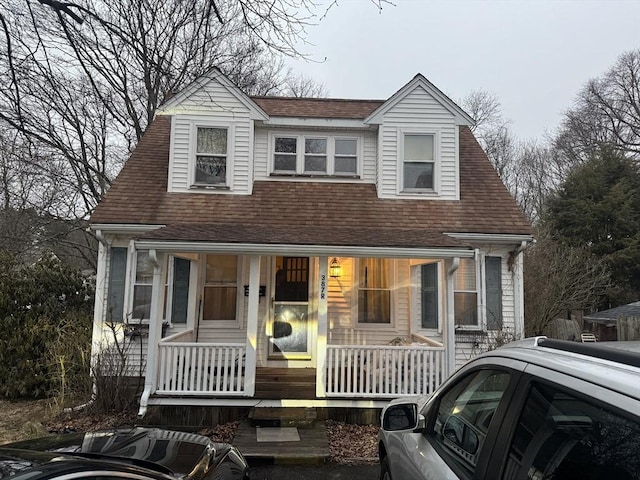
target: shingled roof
<point>317,107</point>
<point>306,213</point>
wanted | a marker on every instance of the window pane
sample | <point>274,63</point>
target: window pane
<point>211,170</point>
<point>141,302</point>
<point>493,267</point>
<point>315,164</point>
<point>180,293</point>
<point>561,436</point>
<point>285,163</point>
<point>144,267</point>
<point>346,147</point>
<point>346,165</point>
<point>212,140</point>
<point>286,145</point>
<point>219,303</point>
<point>315,145</point>
<point>466,308</point>
<point>465,414</point>
<point>117,274</point>
<point>418,175</point>
<point>418,147</point>
<point>374,272</point>
<point>429,298</point>
<point>465,276</point>
<point>222,268</point>
<point>374,306</point>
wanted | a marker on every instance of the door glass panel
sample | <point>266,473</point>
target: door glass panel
<point>290,328</point>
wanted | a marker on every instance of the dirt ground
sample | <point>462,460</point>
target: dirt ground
<point>23,419</point>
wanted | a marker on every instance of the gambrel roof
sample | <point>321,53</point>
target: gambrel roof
<point>301,213</point>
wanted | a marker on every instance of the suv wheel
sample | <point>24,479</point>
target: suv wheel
<point>385,473</point>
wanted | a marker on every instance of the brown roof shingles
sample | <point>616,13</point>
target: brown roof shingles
<point>317,107</point>
<point>304,213</point>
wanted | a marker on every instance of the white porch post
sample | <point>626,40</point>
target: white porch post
<point>252,326</point>
<point>518,294</point>
<point>450,327</point>
<point>99,301</point>
<point>321,343</point>
<point>155,328</point>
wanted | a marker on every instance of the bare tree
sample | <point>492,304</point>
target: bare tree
<point>302,86</point>
<point>84,79</point>
<point>606,111</point>
<point>558,280</point>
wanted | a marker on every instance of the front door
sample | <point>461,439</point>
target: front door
<point>290,339</point>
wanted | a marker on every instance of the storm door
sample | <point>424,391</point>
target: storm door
<point>289,330</point>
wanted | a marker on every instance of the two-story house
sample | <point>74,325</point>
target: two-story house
<point>323,252</point>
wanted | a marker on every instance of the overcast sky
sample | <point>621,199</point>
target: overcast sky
<point>534,55</point>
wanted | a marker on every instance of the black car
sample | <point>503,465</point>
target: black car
<point>123,453</point>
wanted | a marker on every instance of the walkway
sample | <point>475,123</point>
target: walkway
<point>283,445</point>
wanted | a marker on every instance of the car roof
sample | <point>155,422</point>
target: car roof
<point>615,367</point>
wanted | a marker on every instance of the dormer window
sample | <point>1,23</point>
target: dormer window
<point>418,162</point>
<point>315,155</point>
<point>211,156</point>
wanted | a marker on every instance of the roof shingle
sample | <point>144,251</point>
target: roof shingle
<point>303,213</point>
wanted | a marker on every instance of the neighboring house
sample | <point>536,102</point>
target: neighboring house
<point>619,323</point>
<point>327,252</point>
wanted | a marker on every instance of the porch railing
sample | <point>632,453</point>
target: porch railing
<point>382,371</point>
<point>187,368</point>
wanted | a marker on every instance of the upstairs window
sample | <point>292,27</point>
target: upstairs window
<point>211,156</point>
<point>346,156</point>
<point>286,154</point>
<point>315,155</point>
<point>418,161</point>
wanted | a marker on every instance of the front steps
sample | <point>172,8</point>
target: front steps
<point>303,417</point>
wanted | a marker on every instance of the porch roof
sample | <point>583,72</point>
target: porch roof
<point>319,213</point>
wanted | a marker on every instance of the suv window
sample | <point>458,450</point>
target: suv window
<point>465,413</point>
<point>562,436</point>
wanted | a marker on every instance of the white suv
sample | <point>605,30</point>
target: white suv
<point>534,409</point>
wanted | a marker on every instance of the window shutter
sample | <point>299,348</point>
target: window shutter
<point>429,300</point>
<point>180,292</point>
<point>493,270</point>
<point>117,275</point>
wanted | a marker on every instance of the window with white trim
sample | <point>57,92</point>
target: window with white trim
<point>465,294</point>
<point>315,155</point>
<point>374,291</point>
<point>418,162</point>
<point>211,156</point>
<point>429,295</point>
<point>142,286</point>
<point>220,296</point>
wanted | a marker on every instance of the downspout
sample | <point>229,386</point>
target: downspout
<point>149,381</point>
<point>450,329</point>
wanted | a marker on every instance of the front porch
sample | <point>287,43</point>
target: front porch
<point>191,369</point>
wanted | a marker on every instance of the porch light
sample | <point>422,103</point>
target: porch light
<point>335,270</point>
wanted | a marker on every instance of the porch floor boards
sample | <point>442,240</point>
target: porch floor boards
<point>286,383</point>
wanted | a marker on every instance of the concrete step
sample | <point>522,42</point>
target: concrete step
<point>282,417</point>
<point>312,448</point>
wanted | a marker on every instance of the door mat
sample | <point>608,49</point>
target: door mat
<point>277,434</point>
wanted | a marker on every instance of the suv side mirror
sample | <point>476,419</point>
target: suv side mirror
<point>403,416</point>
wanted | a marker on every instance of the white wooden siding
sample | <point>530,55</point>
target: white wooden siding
<point>238,152</point>
<point>418,110</point>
